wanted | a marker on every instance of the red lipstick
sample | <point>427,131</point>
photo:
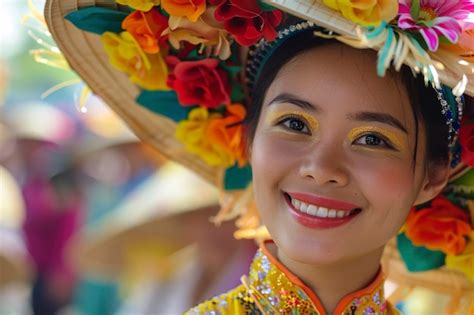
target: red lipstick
<point>314,222</point>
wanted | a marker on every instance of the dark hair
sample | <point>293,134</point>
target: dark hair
<point>425,105</point>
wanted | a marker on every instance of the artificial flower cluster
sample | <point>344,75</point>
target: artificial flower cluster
<point>445,228</point>
<point>184,46</point>
<point>434,21</point>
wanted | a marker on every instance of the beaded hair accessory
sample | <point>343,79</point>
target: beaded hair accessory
<point>451,105</point>
<point>259,53</point>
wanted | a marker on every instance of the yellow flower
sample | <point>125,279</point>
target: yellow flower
<point>192,9</point>
<point>148,71</point>
<point>193,134</point>
<point>142,5</point>
<point>465,261</point>
<point>205,31</point>
<point>365,12</point>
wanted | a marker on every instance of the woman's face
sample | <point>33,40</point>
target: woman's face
<point>332,156</point>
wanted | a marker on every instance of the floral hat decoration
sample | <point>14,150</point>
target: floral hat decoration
<point>178,73</point>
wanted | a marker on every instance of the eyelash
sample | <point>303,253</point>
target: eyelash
<point>292,117</point>
<point>383,139</point>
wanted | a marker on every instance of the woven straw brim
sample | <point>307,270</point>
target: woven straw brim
<point>445,281</point>
<point>86,55</point>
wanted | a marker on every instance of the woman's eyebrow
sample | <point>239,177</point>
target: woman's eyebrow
<point>378,117</point>
<point>293,99</point>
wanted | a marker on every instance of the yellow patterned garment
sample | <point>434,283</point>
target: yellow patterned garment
<point>272,289</point>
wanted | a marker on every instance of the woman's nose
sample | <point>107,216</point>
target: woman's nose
<point>324,165</point>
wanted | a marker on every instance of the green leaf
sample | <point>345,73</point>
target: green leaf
<point>164,103</point>
<point>265,6</point>
<point>97,20</point>
<point>427,23</point>
<point>237,178</point>
<point>195,55</point>
<point>467,179</point>
<point>415,9</point>
<point>237,94</point>
<point>233,70</point>
<point>418,258</point>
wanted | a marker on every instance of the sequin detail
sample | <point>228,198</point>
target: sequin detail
<point>268,290</point>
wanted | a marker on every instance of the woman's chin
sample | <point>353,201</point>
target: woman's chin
<point>310,252</point>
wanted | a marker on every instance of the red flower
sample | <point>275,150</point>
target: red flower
<point>466,138</point>
<point>199,82</point>
<point>146,28</point>
<point>246,21</point>
<point>443,226</point>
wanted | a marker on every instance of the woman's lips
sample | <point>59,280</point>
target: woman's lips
<point>320,213</point>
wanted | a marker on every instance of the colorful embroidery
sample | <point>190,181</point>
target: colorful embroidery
<point>269,290</point>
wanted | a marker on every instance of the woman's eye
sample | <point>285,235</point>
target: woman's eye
<point>295,124</point>
<point>372,140</point>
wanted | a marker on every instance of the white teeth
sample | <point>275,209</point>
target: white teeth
<point>322,212</point>
<point>296,203</point>
<point>303,207</point>
<point>312,210</point>
<point>316,211</point>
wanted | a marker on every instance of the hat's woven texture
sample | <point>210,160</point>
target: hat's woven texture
<point>443,280</point>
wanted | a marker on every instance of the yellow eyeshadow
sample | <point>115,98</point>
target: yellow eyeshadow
<point>392,137</point>
<point>276,116</point>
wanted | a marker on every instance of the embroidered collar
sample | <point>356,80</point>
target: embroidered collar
<point>276,290</point>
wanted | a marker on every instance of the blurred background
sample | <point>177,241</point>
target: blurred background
<point>92,221</point>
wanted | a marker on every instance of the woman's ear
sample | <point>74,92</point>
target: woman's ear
<point>436,178</point>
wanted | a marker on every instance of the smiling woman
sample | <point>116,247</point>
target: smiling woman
<point>334,173</point>
<point>341,152</point>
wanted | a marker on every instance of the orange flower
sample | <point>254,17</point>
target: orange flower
<point>442,227</point>
<point>146,28</point>
<point>464,47</point>
<point>227,132</point>
<point>192,9</point>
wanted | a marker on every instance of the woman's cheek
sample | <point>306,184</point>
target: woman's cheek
<point>387,182</point>
<point>271,152</point>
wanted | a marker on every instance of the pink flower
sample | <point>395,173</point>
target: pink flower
<point>435,18</point>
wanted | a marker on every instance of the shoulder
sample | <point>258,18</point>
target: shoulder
<point>237,301</point>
